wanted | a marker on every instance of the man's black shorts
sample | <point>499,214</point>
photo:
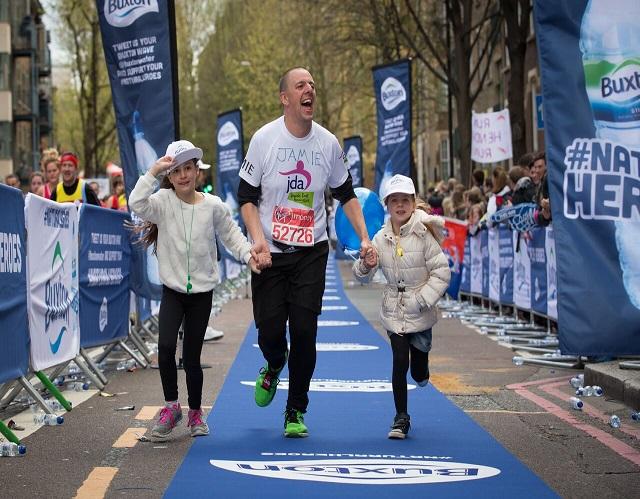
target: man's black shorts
<point>296,278</point>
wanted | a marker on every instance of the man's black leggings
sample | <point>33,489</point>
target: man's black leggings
<point>404,354</point>
<point>194,309</point>
<point>272,338</point>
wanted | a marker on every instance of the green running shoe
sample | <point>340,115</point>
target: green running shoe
<point>267,384</point>
<point>294,426</point>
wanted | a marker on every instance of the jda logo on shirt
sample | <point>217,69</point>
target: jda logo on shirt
<point>361,471</point>
<point>298,179</point>
<point>227,134</point>
<point>392,93</point>
<point>122,13</point>
<point>353,156</point>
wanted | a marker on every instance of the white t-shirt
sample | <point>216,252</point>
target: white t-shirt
<point>293,174</point>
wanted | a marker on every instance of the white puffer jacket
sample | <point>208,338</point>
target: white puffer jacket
<point>416,270</point>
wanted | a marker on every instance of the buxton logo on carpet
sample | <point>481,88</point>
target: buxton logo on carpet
<point>361,471</point>
<point>338,385</point>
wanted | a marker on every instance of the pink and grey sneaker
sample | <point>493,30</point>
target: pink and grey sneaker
<point>196,425</point>
<point>170,416</point>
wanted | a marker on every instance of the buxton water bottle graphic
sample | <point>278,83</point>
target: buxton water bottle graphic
<point>230,200</point>
<point>145,157</point>
<point>145,154</point>
<point>610,45</point>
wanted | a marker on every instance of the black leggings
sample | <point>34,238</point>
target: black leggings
<point>403,351</point>
<point>272,338</point>
<point>194,309</point>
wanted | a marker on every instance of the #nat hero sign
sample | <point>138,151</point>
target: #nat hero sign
<point>361,471</point>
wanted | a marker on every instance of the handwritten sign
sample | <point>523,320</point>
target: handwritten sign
<point>491,137</point>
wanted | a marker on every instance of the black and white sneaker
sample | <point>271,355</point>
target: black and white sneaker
<point>400,426</point>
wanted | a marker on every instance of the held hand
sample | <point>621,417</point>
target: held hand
<point>365,247</point>
<point>371,259</point>
<point>161,165</point>
<point>254,266</point>
<point>261,255</point>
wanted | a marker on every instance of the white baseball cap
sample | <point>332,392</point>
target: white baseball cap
<point>203,166</point>
<point>398,184</point>
<point>182,151</point>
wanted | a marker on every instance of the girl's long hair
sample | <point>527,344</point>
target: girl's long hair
<point>146,233</point>
<point>435,231</point>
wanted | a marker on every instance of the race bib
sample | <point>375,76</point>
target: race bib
<point>292,226</point>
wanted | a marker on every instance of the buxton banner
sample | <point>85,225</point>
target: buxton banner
<point>105,253</point>
<point>229,155</point>
<point>588,53</point>
<point>392,85</point>
<point>53,301</point>
<point>136,38</point>
<point>14,332</point>
<point>353,150</point>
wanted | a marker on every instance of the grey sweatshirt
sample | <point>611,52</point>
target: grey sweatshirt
<point>173,218</point>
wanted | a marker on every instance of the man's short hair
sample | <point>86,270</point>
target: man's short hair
<point>539,155</point>
<point>285,77</point>
<point>478,176</point>
<point>525,160</point>
<point>10,176</point>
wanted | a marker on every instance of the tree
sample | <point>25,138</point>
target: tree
<point>474,30</point>
<point>79,33</point>
<point>517,18</point>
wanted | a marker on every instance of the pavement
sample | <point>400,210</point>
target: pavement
<point>95,453</point>
<point>621,384</point>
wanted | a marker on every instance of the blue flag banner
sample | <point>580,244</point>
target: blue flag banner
<point>14,333</point>
<point>592,138</point>
<point>538,259</point>
<point>353,150</point>
<point>104,261</point>
<point>505,241</point>
<point>137,48</point>
<point>392,85</point>
<point>465,279</point>
<point>229,155</point>
<point>484,248</point>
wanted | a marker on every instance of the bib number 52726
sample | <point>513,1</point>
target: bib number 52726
<point>293,226</point>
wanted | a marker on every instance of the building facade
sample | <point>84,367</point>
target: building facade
<point>26,122</point>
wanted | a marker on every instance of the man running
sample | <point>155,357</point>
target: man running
<point>289,163</point>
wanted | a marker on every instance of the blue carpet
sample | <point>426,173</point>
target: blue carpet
<point>347,453</point>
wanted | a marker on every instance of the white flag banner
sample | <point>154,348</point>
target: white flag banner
<point>521,274</point>
<point>52,268</point>
<point>491,137</point>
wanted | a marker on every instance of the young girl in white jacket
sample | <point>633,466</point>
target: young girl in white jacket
<point>181,224</point>
<point>417,274</point>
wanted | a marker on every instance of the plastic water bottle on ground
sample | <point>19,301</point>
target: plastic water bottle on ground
<point>11,449</point>
<point>48,419</point>
<point>635,416</point>
<point>597,391</point>
<point>576,403</point>
<point>54,405</point>
<point>575,382</point>
<point>610,47</point>
<point>614,421</point>
<point>79,386</point>
<point>517,360</point>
